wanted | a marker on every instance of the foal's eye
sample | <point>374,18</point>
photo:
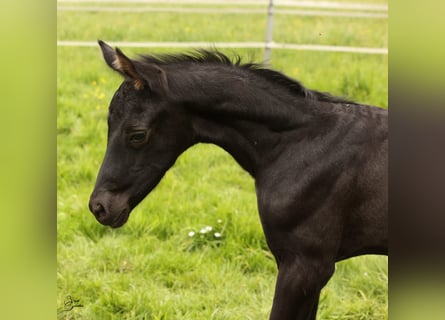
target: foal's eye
<point>137,138</point>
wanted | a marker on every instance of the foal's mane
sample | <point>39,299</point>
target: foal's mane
<point>203,56</point>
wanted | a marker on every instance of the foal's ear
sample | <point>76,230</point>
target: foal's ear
<point>122,64</point>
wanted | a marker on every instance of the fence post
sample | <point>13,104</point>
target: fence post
<point>269,29</point>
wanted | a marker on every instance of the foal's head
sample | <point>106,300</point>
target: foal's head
<point>144,138</point>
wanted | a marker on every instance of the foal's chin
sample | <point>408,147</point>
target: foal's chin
<point>120,219</point>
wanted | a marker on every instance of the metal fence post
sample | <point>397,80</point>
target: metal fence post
<point>269,29</point>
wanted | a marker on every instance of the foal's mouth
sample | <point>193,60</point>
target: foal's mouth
<point>121,219</point>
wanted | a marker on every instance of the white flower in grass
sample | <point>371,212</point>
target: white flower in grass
<point>219,221</point>
<point>217,235</point>
<point>206,229</point>
<point>191,233</point>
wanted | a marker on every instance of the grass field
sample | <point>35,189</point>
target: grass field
<point>152,268</point>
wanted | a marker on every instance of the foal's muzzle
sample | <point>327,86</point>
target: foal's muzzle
<point>109,209</point>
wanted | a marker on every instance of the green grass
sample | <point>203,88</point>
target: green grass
<point>151,268</point>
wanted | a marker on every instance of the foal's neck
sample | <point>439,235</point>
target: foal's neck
<point>247,142</point>
<point>240,112</point>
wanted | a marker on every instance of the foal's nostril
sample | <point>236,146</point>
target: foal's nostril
<point>98,209</point>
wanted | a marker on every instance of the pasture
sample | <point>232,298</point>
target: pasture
<point>167,262</point>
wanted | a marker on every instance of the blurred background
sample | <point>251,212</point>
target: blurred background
<point>166,262</point>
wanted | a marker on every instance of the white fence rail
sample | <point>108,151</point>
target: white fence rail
<point>301,4</point>
<point>169,44</point>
